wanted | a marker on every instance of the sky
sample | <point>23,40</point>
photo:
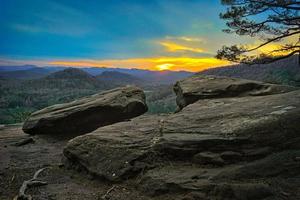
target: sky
<point>145,34</point>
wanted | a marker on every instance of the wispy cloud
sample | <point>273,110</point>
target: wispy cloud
<point>187,45</point>
<point>173,47</point>
<point>26,28</point>
<point>185,38</point>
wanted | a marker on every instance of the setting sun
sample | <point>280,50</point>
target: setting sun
<point>166,66</point>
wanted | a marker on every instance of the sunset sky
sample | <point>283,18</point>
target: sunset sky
<point>146,34</point>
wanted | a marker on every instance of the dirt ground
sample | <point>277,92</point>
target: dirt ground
<point>19,163</point>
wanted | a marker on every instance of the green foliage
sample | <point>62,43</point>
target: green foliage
<point>285,77</point>
<point>162,106</point>
<point>20,98</point>
<point>14,115</point>
<point>160,99</point>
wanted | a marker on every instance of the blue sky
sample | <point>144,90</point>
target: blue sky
<point>43,31</point>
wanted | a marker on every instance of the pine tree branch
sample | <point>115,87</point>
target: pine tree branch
<point>272,40</point>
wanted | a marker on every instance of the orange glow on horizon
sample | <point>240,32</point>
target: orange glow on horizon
<point>163,63</point>
<point>166,66</point>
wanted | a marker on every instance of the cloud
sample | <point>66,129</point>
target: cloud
<point>26,28</point>
<point>184,45</point>
<point>185,38</point>
<point>173,47</point>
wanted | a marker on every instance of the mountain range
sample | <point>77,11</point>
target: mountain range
<point>29,88</point>
<point>108,74</point>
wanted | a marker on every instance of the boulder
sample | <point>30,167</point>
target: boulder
<point>199,86</point>
<point>233,124</point>
<point>87,114</point>
<point>117,151</point>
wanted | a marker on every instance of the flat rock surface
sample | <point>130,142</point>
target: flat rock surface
<point>87,114</point>
<point>199,86</point>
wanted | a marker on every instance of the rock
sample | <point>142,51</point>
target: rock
<point>257,152</point>
<point>199,86</point>
<point>180,177</point>
<point>195,196</point>
<point>230,124</point>
<point>87,114</point>
<point>222,147</point>
<point>281,164</point>
<point>208,158</point>
<point>246,191</point>
<point>231,156</point>
<point>175,178</point>
<point>117,151</point>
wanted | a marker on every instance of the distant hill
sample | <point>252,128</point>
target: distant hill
<point>147,76</point>
<point>16,68</point>
<point>57,87</point>
<point>163,77</point>
<point>284,71</point>
<point>155,77</point>
<point>32,73</point>
<point>95,70</point>
<point>71,79</point>
<point>54,68</point>
<point>118,78</point>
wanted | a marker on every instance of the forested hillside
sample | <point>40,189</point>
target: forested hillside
<point>285,71</point>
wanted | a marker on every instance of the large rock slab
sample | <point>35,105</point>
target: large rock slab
<point>116,151</point>
<point>199,86</point>
<point>89,113</point>
<point>234,124</point>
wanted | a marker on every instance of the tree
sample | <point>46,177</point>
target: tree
<point>269,20</point>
